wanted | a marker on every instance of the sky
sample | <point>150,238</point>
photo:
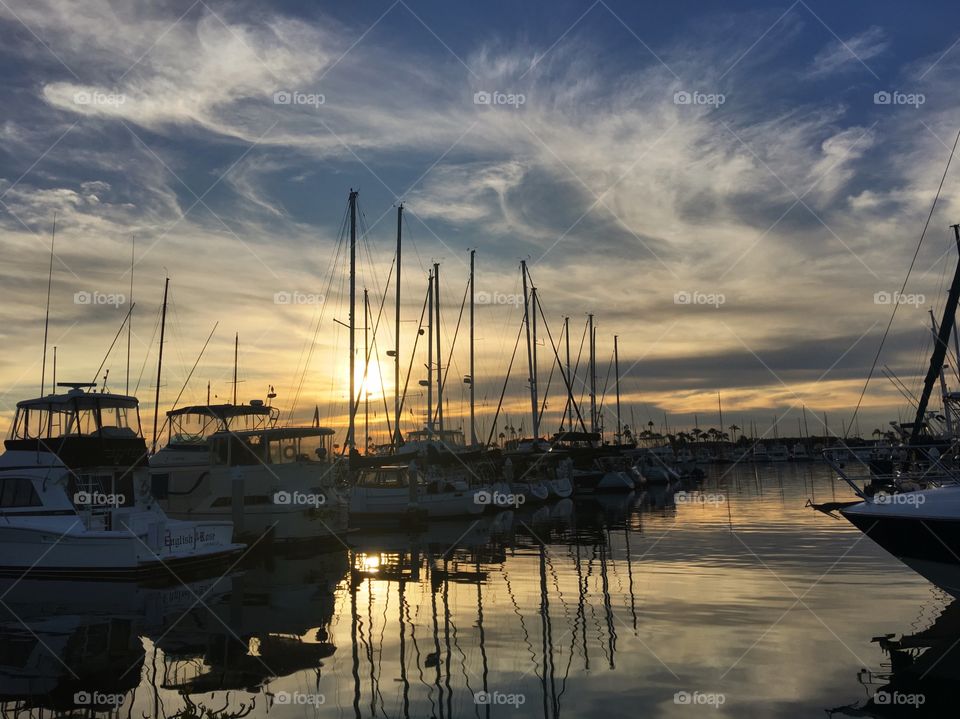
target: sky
<point>736,191</point>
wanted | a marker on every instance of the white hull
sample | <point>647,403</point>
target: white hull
<point>149,544</point>
<point>373,503</point>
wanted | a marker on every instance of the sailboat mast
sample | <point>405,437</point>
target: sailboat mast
<point>430,352</point>
<point>940,348</point>
<point>156,395</point>
<point>566,331</point>
<point>366,369</point>
<point>236,362</point>
<point>536,365</point>
<point>473,415</point>
<point>616,369</point>
<point>46,319</point>
<point>532,379</point>
<point>436,305</point>
<point>133,255</point>
<point>351,440</point>
<point>396,346</point>
<point>720,407</point>
<point>593,377</point>
<point>943,384</point>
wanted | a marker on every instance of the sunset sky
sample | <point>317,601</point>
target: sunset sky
<point>735,190</point>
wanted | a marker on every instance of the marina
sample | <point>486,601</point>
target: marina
<point>423,360</point>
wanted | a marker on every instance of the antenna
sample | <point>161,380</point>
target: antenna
<point>46,319</point>
<point>133,252</point>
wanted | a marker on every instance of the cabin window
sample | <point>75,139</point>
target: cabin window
<point>18,493</point>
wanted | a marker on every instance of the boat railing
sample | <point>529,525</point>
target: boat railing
<point>893,469</point>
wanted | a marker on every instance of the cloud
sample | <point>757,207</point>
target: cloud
<point>854,52</point>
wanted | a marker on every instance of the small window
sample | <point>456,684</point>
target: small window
<point>18,493</point>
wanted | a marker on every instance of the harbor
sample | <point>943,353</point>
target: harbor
<point>409,359</point>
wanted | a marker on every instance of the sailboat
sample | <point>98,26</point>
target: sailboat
<point>913,509</point>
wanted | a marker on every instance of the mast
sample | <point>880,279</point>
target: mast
<point>473,415</point>
<point>430,352</point>
<point>133,254</point>
<point>940,348</point>
<point>54,366</point>
<point>351,440</point>
<point>156,396</point>
<point>532,379</point>
<point>366,369</point>
<point>720,407</point>
<point>536,365</point>
<point>566,331</point>
<point>436,305</point>
<point>396,345</point>
<point>46,319</point>
<point>943,384</point>
<point>616,369</point>
<point>593,377</point>
<point>236,361</point>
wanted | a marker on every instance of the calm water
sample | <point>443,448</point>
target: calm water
<point>739,601</point>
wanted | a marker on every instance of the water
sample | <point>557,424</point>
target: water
<point>738,602</point>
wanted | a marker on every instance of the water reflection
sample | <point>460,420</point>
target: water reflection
<point>603,607</point>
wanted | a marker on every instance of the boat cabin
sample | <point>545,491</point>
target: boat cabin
<point>193,426</point>
<point>83,428</point>
<point>271,446</point>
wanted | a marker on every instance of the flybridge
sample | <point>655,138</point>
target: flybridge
<point>78,426</point>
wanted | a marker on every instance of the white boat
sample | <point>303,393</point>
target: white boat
<point>75,494</point>
<point>654,470</point>
<point>402,493</point>
<point>272,480</point>
<point>760,453</point>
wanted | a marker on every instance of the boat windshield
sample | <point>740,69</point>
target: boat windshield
<point>55,419</point>
<point>270,447</point>
<point>195,425</point>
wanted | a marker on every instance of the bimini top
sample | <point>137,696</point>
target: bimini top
<point>223,411</point>
<point>273,434</point>
<point>77,398</point>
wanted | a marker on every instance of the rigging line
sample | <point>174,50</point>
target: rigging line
<point>905,394</point>
<point>556,354</point>
<point>606,383</point>
<point>341,234</point>
<point>546,392</point>
<point>190,374</point>
<point>456,332</point>
<point>146,358</point>
<point>116,337</point>
<point>896,305</point>
<point>496,416</point>
<point>576,367</point>
<point>413,355</point>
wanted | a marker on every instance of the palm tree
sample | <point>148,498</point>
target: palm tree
<point>734,428</point>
